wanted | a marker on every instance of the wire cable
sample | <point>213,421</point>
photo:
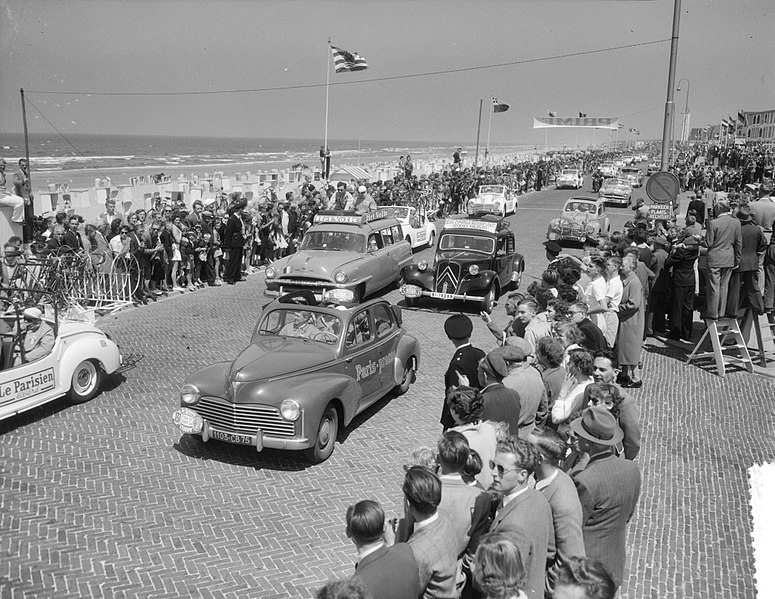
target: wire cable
<point>359,81</point>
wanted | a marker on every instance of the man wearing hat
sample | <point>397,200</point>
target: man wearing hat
<point>608,489</point>
<point>233,242</point>
<point>38,337</point>
<point>553,250</point>
<point>744,290</point>
<point>464,362</point>
<point>364,202</point>
<point>500,403</point>
<point>526,381</point>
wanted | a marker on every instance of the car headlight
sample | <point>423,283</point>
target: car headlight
<point>473,269</point>
<point>290,410</point>
<point>340,277</point>
<point>189,394</point>
<point>270,272</point>
<point>422,265</point>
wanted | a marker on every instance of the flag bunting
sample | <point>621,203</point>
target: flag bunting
<point>582,115</point>
<point>498,106</point>
<point>552,114</point>
<point>347,61</point>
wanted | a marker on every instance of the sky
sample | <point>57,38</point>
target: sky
<point>725,51</point>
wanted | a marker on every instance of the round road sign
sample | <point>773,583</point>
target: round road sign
<point>663,187</point>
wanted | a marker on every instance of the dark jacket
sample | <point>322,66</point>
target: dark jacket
<point>233,232</point>
<point>465,361</point>
<point>754,245</point>
<point>594,340</point>
<point>390,572</point>
<point>681,261</point>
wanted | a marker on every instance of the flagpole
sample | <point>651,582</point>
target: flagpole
<point>478,130</point>
<point>489,126</point>
<point>328,76</point>
<point>29,210</point>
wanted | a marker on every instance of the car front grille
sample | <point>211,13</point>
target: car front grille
<point>447,277</point>
<point>244,419</point>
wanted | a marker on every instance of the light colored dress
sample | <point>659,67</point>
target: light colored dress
<point>614,292</point>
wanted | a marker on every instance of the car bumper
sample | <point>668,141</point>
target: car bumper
<point>415,292</point>
<point>615,200</point>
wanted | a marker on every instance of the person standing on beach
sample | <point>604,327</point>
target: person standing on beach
<point>408,167</point>
<point>457,160</point>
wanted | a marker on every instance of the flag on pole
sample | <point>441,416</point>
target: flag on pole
<point>347,61</point>
<point>582,115</point>
<point>552,114</point>
<point>741,117</point>
<point>498,106</point>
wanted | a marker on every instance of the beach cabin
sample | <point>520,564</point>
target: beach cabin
<point>349,174</point>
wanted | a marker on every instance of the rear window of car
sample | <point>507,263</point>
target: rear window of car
<point>579,207</point>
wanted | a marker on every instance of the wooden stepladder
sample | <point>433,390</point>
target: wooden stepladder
<point>719,331</point>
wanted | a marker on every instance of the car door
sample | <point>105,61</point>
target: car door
<point>417,221</point>
<point>361,356</point>
<point>386,329</point>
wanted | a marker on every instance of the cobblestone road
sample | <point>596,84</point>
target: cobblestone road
<point>108,499</point>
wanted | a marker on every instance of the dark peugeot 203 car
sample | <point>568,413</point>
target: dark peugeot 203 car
<point>309,370</point>
<point>476,261</point>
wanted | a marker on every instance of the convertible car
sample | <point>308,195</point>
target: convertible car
<point>569,177</point>
<point>418,230</point>
<point>580,218</point>
<point>493,199</point>
<point>310,368</point>
<point>81,355</point>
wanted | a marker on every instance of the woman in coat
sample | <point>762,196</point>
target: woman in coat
<point>632,319</point>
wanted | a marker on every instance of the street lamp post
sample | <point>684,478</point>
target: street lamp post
<point>685,124</point>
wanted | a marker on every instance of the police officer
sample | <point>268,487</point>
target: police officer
<point>465,360</point>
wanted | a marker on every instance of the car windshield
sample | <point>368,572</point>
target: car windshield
<point>471,243</point>
<point>495,189</point>
<point>305,324</point>
<point>333,241</point>
<point>570,173</point>
<point>579,207</point>
<point>622,182</point>
<point>630,171</point>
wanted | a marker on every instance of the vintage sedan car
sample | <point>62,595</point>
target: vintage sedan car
<point>81,356</point>
<point>352,253</point>
<point>652,168</point>
<point>608,169</point>
<point>418,230</point>
<point>633,174</point>
<point>616,191</point>
<point>476,261</point>
<point>309,370</point>
<point>569,178</point>
<point>581,217</point>
<point>493,199</point>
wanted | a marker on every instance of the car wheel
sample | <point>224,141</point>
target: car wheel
<point>518,282</point>
<point>407,379</point>
<point>85,383</point>
<point>488,301</point>
<point>431,239</point>
<point>328,429</point>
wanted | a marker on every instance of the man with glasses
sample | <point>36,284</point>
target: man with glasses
<point>523,513</point>
<point>594,339</point>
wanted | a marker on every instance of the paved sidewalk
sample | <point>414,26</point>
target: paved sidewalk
<point>108,499</point>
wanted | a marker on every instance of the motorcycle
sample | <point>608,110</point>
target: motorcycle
<point>597,182</point>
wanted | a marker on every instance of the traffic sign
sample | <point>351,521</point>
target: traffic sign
<point>663,187</point>
<point>660,212</point>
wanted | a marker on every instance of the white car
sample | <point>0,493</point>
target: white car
<point>570,177</point>
<point>82,354</point>
<point>608,169</point>
<point>418,230</point>
<point>493,199</point>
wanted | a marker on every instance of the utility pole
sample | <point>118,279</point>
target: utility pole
<point>667,128</point>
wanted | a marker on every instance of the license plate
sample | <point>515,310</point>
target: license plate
<point>231,437</point>
<point>443,296</point>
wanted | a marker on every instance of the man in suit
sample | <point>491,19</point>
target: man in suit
<point>698,206</point>
<point>681,261</point>
<point>608,489</point>
<point>594,339</point>
<point>657,304</point>
<point>22,189</point>
<point>234,241</point>
<point>465,361</point>
<point>724,241</point>
<point>744,291</point>
<point>38,337</point>
<point>560,492</point>
<point>763,209</point>
<point>433,541</point>
<point>523,514</point>
<point>388,572</point>
<point>526,381</point>
<point>501,404</point>
<point>467,507</point>
<point>605,370</point>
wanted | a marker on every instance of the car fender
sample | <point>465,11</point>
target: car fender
<point>422,278</point>
<point>408,348</point>
<point>313,392</point>
<point>91,347</point>
<point>478,284</point>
